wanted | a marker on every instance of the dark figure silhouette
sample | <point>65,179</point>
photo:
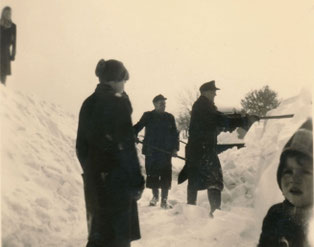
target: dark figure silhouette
<point>7,43</point>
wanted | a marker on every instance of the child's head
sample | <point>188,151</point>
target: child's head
<point>295,171</point>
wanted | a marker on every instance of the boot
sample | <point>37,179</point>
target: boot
<point>192,196</point>
<point>211,215</point>
<point>164,197</point>
<point>164,204</point>
<point>154,200</point>
<point>214,197</point>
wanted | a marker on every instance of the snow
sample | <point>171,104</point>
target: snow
<point>42,191</point>
<point>42,197</point>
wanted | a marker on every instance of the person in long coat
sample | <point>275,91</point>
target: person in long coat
<point>7,43</point>
<point>161,142</point>
<point>106,150</point>
<point>202,162</point>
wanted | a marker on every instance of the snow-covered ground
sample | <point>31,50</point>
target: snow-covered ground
<point>42,193</point>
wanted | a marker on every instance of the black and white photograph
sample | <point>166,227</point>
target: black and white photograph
<point>170,123</point>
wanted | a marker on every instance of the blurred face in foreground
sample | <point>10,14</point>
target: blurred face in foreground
<point>160,106</point>
<point>297,181</point>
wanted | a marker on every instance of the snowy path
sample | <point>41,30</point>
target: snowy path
<point>187,225</point>
<point>42,191</point>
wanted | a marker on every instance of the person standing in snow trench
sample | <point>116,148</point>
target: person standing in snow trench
<point>106,150</point>
<point>202,162</point>
<point>7,43</point>
<point>160,134</point>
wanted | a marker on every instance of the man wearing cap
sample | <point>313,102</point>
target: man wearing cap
<point>160,143</point>
<point>203,166</point>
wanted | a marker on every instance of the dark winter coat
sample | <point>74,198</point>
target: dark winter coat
<point>7,39</point>
<point>281,226</point>
<point>160,132</point>
<point>203,165</point>
<point>106,150</point>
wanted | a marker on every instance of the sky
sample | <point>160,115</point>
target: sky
<point>168,47</point>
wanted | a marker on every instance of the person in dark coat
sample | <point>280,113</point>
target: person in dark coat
<point>202,162</point>
<point>7,43</point>
<point>106,150</point>
<point>287,223</point>
<point>160,134</point>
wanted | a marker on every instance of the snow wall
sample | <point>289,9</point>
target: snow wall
<point>42,191</point>
<point>42,196</point>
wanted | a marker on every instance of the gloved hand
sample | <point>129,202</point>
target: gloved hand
<point>253,118</point>
<point>249,120</point>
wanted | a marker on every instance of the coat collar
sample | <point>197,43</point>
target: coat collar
<point>104,88</point>
<point>205,100</point>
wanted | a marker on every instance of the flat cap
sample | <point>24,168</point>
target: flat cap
<point>158,97</point>
<point>208,86</point>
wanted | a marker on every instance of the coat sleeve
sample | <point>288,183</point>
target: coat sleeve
<point>229,123</point>
<point>127,154</point>
<point>141,123</point>
<point>269,234</point>
<point>81,140</point>
<point>211,118</point>
<point>174,133</point>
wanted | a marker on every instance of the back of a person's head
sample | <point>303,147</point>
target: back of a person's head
<point>111,70</point>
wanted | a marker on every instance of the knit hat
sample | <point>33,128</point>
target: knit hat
<point>301,142</point>
<point>208,86</point>
<point>111,70</point>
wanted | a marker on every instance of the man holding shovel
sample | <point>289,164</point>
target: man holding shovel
<point>160,134</point>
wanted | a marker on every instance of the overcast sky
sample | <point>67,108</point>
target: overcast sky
<point>168,46</point>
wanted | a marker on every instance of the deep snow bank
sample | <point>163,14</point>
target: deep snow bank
<point>42,192</point>
<point>42,197</point>
<point>250,173</point>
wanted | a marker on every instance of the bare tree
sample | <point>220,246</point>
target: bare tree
<point>186,100</point>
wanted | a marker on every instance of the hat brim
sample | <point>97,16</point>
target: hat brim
<point>156,100</point>
<point>213,89</point>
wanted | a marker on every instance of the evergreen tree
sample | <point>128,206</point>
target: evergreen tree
<point>259,102</point>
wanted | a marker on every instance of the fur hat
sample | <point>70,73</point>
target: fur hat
<point>300,143</point>
<point>111,70</point>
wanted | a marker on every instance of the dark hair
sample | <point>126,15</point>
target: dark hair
<point>111,70</point>
<point>3,10</point>
<point>299,156</point>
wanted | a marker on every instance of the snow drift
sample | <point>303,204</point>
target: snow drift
<point>42,197</point>
<point>42,191</point>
